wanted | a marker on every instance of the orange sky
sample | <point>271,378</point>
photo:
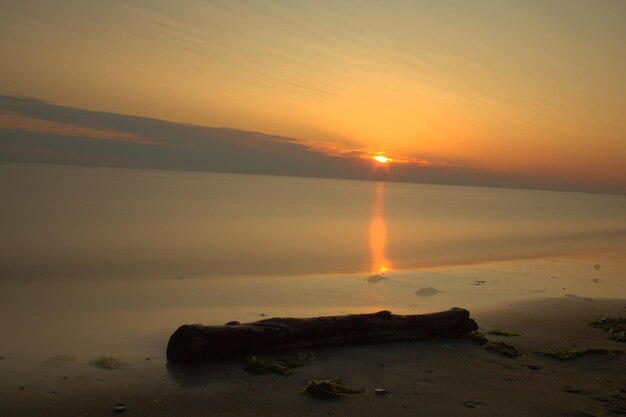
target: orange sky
<point>527,87</point>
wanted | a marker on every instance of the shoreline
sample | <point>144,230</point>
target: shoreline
<point>438,378</point>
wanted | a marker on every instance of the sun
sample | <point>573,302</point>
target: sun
<point>381,159</point>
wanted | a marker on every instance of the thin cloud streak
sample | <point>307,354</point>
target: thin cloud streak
<point>33,125</point>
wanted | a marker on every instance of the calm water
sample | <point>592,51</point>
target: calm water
<point>85,223</point>
<point>111,261</point>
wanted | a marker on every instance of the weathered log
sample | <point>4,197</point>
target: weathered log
<point>195,342</point>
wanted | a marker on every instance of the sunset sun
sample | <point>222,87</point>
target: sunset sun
<point>381,159</point>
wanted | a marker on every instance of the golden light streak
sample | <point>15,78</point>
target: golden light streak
<point>378,232</point>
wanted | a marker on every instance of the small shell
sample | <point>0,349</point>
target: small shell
<point>381,391</point>
<point>120,408</point>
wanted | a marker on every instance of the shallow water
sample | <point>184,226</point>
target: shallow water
<point>90,223</point>
<point>110,261</point>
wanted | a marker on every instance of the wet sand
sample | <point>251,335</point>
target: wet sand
<point>437,378</point>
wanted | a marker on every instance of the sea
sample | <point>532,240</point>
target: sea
<point>98,260</point>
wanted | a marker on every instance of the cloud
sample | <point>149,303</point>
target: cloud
<point>38,131</point>
<point>28,124</point>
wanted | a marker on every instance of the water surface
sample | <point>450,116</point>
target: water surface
<point>110,261</point>
<point>87,223</point>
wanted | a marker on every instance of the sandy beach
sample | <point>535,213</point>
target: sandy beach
<point>435,378</point>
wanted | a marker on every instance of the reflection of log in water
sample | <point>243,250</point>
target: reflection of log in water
<point>378,232</point>
<point>195,343</point>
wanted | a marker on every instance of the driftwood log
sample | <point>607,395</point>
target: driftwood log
<point>196,343</point>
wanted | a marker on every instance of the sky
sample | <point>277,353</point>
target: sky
<point>516,92</point>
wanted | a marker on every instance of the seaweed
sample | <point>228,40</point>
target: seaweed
<point>478,338</point>
<point>502,348</point>
<point>565,355</point>
<point>502,332</point>
<point>284,365</point>
<point>327,389</point>
<point>108,362</point>
<point>614,326</point>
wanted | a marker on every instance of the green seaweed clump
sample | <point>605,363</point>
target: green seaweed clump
<point>503,349</point>
<point>327,389</point>
<point>566,355</point>
<point>502,332</point>
<point>108,362</point>
<point>478,338</point>
<point>284,365</point>
<point>614,326</point>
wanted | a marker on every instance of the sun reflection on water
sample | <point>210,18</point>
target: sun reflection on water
<point>378,232</point>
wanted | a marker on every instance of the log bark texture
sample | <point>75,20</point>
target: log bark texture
<point>196,343</point>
